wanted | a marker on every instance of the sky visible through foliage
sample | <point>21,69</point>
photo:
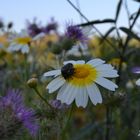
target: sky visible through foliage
<point>19,11</point>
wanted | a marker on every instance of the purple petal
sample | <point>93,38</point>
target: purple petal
<point>136,70</point>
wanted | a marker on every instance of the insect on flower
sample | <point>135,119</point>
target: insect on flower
<point>67,70</point>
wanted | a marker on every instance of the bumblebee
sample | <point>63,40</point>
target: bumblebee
<point>67,70</point>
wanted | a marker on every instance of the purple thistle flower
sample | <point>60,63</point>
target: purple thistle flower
<point>136,70</point>
<point>27,117</point>
<point>58,105</point>
<point>13,98</point>
<point>33,29</point>
<point>75,33</point>
<point>52,26</point>
<point>14,101</point>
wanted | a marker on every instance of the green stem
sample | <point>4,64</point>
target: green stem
<point>67,122</point>
<point>107,133</point>
<point>36,90</point>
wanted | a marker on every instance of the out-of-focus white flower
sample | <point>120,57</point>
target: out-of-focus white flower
<point>20,42</point>
<point>138,82</point>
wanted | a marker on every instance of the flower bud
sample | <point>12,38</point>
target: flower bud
<point>32,83</point>
<point>67,43</point>
<point>56,48</point>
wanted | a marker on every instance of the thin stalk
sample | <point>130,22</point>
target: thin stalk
<point>38,93</point>
<point>108,120</point>
<point>67,122</point>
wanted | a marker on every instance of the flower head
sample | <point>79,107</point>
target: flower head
<point>12,104</point>
<point>75,33</point>
<point>20,43</point>
<point>137,71</point>
<point>78,80</point>
<point>33,29</point>
<point>58,105</point>
<point>51,26</point>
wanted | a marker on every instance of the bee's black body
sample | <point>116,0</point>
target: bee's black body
<point>67,70</point>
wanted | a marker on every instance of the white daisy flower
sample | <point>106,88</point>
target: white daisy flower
<point>78,80</point>
<point>21,43</point>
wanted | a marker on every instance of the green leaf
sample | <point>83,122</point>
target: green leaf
<point>118,10</point>
<point>129,33</point>
<point>97,22</point>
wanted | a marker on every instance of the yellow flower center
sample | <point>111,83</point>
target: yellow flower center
<point>84,74</point>
<point>23,40</point>
<point>81,71</point>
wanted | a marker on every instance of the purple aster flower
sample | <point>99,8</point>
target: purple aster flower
<point>75,33</point>
<point>33,29</point>
<point>13,104</point>
<point>52,26</point>
<point>58,105</point>
<point>136,70</point>
<point>27,117</point>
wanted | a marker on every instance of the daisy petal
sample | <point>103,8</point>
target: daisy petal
<point>106,83</point>
<point>52,73</point>
<point>105,67</point>
<point>94,94</point>
<point>39,36</point>
<point>80,62</point>
<point>67,94</point>
<point>71,61</point>
<point>96,62</point>
<point>55,84</point>
<point>138,82</point>
<point>108,74</point>
<point>25,49</point>
<point>16,47</point>
<point>82,98</point>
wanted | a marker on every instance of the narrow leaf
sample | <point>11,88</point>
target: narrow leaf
<point>107,33</point>
<point>118,10</point>
<point>129,33</point>
<point>97,22</point>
